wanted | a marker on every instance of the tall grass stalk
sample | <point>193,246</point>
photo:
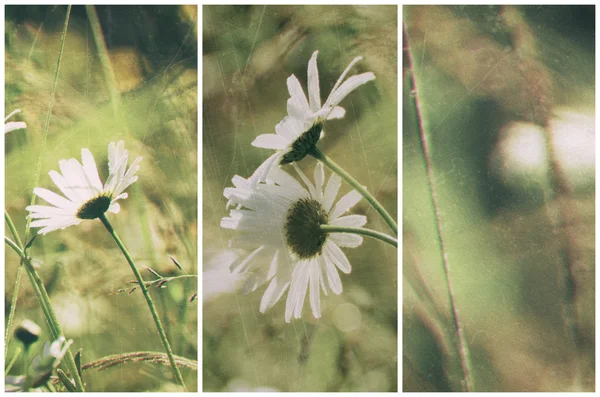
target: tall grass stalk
<point>463,348</point>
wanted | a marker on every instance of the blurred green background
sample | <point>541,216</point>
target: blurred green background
<point>153,51</point>
<point>248,53</point>
<point>489,77</point>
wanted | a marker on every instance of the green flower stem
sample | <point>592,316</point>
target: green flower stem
<point>44,299</point>
<point>142,284</point>
<point>359,230</point>
<point>316,153</point>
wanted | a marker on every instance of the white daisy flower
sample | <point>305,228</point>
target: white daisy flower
<point>278,223</point>
<point>301,128</point>
<point>13,125</point>
<point>86,197</point>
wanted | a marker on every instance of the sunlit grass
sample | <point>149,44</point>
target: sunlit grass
<point>82,269</point>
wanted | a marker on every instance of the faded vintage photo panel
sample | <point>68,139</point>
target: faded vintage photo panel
<point>101,193</point>
<point>498,198</point>
<point>300,190</point>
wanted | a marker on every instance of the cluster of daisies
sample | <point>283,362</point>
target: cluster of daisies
<point>278,220</point>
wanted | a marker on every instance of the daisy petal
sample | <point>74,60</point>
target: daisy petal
<point>239,266</point>
<point>63,185</point>
<point>128,179</point>
<point>349,85</point>
<point>341,78</point>
<point>345,203</point>
<point>331,191</point>
<point>270,141</point>
<point>335,284</point>
<point>91,172</point>
<point>315,281</point>
<point>14,125</point>
<point>273,293</point>
<point>12,114</point>
<point>314,94</point>
<point>337,257</point>
<point>290,129</point>
<point>347,240</point>
<point>319,181</point>
<point>297,105</point>
<point>263,170</point>
<point>44,211</point>
<point>311,187</point>
<point>299,284</point>
<point>349,221</point>
<point>54,199</point>
<point>337,112</point>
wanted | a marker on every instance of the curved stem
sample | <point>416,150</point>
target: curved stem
<point>142,284</point>
<point>359,230</point>
<point>319,155</point>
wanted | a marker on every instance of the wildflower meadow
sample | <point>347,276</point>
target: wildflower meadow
<point>101,198</point>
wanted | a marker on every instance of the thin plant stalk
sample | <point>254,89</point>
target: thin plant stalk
<point>361,231</point>
<point>463,347</point>
<point>34,285</point>
<point>142,284</point>
<point>13,304</point>
<point>48,116</point>
<point>36,180</point>
<point>42,296</point>
<point>319,155</point>
<point>12,362</point>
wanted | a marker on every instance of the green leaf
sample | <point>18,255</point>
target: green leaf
<point>70,386</point>
<point>78,362</point>
<point>175,262</point>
